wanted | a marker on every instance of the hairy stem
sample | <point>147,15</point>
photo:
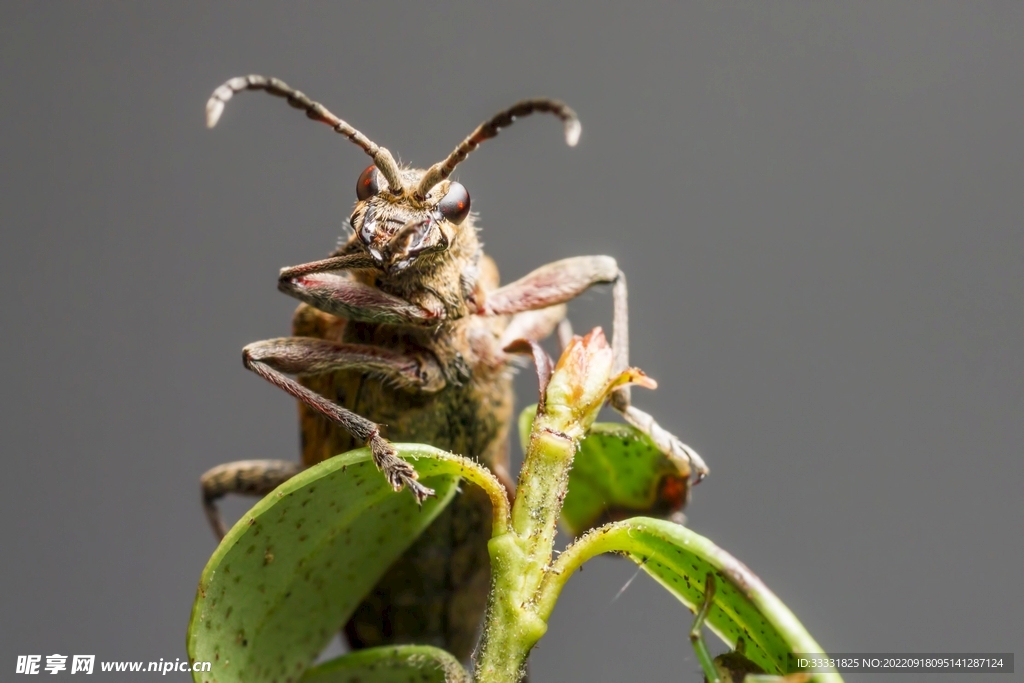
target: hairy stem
<point>521,558</point>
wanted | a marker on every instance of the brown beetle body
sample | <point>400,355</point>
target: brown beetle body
<point>436,592</point>
<point>401,336</point>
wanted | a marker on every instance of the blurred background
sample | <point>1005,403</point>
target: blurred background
<point>819,208</point>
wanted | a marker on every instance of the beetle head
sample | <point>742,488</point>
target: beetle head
<point>402,214</point>
<point>397,228</point>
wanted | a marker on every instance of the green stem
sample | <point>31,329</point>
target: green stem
<point>542,485</point>
<point>482,477</point>
<point>591,544</point>
<point>512,627</point>
<point>521,558</point>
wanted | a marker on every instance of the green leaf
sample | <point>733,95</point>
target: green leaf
<point>393,664</point>
<point>617,473</point>
<point>680,560</point>
<point>292,570</point>
<point>526,426</point>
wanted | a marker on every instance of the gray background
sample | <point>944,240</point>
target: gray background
<point>819,208</point>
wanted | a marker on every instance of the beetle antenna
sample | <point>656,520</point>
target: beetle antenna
<point>489,129</point>
<point>381,156</point>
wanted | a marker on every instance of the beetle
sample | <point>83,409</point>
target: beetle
<point>405,324</point>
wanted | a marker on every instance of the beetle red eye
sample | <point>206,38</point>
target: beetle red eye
<point>454,206</point>
<point>367,185</point>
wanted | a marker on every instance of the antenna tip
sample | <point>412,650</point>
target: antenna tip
<point>214,108</point>
<point>572,132</point>
<point>215,105</point>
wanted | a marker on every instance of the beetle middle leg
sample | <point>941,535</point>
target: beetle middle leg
<point>562,281</point>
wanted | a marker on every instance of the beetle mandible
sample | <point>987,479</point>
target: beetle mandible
<point>405,325</point>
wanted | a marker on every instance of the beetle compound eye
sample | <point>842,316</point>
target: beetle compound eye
<point>367,185</point>
<point>454,206</point>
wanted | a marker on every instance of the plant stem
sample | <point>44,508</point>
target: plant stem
<point>521,558</point>
<point>512,626</point>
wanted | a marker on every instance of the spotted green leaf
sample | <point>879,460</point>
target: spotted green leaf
<point>392,664</point>
<point>680,560</point>
<point>291,571</point>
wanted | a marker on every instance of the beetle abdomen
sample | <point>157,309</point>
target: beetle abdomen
<point>436,593</point>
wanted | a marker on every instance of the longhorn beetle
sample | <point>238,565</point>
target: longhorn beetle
<point>405,326</point>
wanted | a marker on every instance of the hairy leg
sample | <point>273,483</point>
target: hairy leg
<point>534,325</point>
<point>298,355</point>
<point>272,359</point>
<point>324,285</point>
<point>334,293</point>
<point>245,477</point>
<point>562,281</point>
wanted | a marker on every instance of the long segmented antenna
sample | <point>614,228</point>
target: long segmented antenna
<point>381,156</point>
<point>489,129</point>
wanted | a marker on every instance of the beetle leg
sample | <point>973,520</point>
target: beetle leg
<point>247,477</point>
<point>562,281</point>
<point>554,283</point>
<point>667,443</point>
<point>313,356</point>
<point>335,294</point>
<point>621,398</point>
<point>533,325</point>
<point>299,355</point>
<point>564,333</point>
<point>334,263</point>
<point>321,285</point>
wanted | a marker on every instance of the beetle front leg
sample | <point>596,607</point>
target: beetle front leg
<point>562,281</point>
<point>273,358</point>
<point>320,285</point>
